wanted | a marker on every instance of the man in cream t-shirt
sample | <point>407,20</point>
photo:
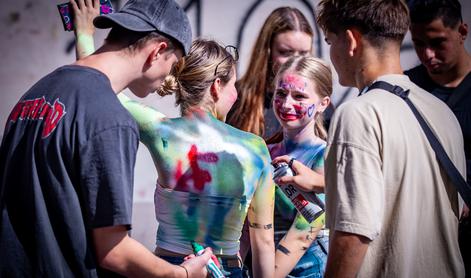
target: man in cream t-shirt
<point>391,210</point>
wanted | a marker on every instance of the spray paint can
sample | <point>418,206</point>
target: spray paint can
<point>213,269</point>
<point>308,204</point>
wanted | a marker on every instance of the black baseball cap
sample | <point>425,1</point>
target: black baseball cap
<point>163,16</point>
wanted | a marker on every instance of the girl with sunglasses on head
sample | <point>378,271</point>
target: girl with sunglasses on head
<point>211,176</point>
<point>303,86</point>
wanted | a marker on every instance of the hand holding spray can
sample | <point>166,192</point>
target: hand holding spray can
<point>213,269</point>
<point>308,204</point>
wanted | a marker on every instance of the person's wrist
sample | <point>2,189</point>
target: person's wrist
<point>86,32</point>
<point>182,271</point>
<point>85,44</point>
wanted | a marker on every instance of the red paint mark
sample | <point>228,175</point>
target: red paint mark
<point>208,157</point>
<point>179,171</point>
<point>199,176</point>
<point>288,114</point>
<point>300,110</point>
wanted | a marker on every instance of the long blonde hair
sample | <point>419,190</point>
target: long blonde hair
<point>193,74</point>
<point>320,74</point>
<point>247,113</point>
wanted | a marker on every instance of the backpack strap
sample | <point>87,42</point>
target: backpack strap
<point>456,178</point>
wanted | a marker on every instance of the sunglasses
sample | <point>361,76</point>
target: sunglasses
<point>233,52</point>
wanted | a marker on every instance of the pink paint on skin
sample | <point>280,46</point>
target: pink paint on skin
<point>298,112</point>
<point>292,82</point>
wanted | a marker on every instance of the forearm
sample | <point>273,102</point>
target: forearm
<point>346,254</point>
<point>291,248</point>
<point>119,253</point>
<point>260,222</point>
<point>263,252</point>
<point>83,14</point>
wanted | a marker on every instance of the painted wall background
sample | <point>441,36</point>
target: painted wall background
<point>33,44</point>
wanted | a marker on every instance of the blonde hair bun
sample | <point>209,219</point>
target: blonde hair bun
<point>169,86</point>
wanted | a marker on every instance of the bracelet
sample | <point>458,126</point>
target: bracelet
<point>186,270</point>
<point>290,163</point>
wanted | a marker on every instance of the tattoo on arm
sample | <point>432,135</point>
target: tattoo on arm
<point>259,226</point>
<point>283,249</point>
<point>311,233</point>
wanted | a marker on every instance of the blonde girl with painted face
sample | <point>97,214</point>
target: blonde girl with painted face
<point>303,86</point>
<point>285,33</point>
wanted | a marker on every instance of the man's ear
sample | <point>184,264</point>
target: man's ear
<point>215,89</point>
<point>463,30</point>
<point>155,51</point>
<point>353,38</point>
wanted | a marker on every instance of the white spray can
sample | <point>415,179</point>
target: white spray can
<point>308,204</point>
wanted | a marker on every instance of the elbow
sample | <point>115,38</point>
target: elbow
<point>264,244</point>
<point>111,261</point>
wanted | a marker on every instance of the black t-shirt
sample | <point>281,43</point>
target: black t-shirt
<point>66,167</point>
<point>461,108</point>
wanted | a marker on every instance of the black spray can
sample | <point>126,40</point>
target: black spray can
<point>308,204</point>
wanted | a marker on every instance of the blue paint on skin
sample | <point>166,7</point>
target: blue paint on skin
<point>310,110</point>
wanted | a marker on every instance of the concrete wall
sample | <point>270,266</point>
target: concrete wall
<point>33,44</point>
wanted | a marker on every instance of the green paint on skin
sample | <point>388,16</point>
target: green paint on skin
<point>164,143</point>
<point>301,224</point>
<point>86,44</point>
<point>241,165</point>
<point>227,174</point>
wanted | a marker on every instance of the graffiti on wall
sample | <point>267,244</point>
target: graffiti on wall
<point>195,7</point>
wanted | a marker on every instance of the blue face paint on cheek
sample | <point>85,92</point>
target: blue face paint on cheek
<point>310,110</point>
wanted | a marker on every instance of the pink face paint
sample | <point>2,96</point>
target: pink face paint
<point>292,82</point>
<point>300,110</point>
<point>294,114</point>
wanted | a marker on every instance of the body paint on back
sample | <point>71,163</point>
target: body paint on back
<point>216,175</point>
<point>199,176</point>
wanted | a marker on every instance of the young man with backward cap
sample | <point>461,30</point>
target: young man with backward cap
<point>390,208</point>
<point>68,154</point>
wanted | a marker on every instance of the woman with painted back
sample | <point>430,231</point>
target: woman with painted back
<point>210,174</point>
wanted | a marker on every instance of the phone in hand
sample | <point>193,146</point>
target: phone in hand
<point>65,10</point>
